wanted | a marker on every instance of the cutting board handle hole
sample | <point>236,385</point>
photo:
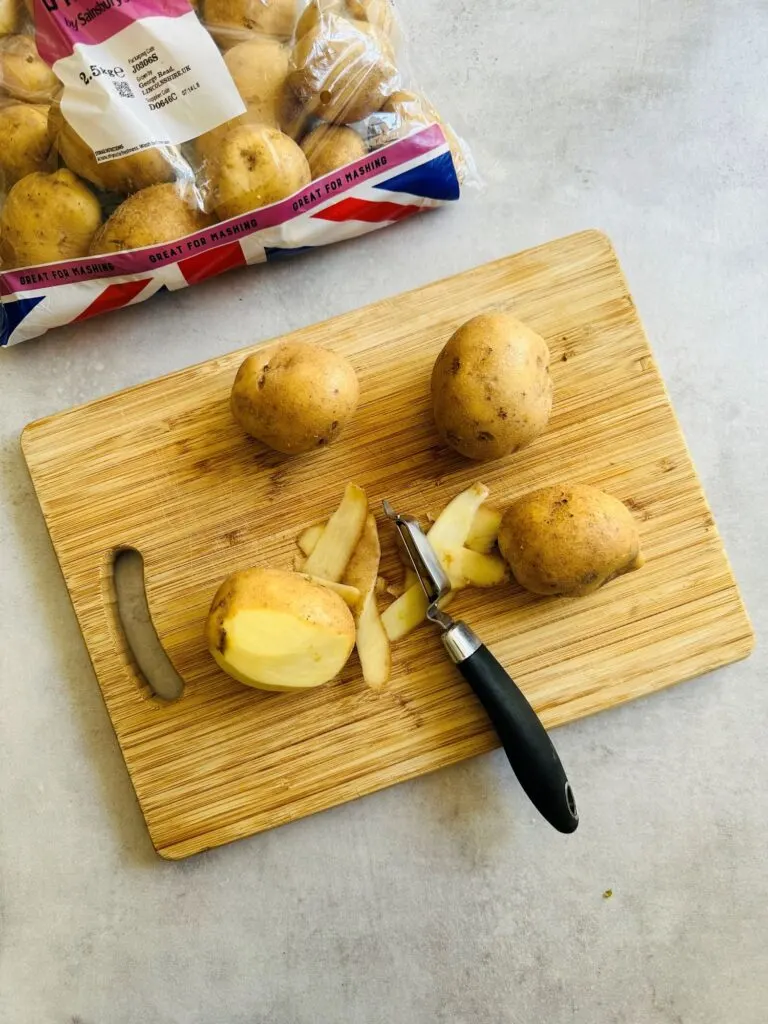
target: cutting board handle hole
<point>157,675</point>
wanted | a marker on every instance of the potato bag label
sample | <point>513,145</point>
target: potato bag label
<point>136,73</point>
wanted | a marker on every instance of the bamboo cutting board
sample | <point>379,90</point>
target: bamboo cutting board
<point>163,468</point>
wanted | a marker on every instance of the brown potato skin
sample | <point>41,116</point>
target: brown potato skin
<point>208,145</point>
<point>47,218</point>
<point>259,69</point>
<point>23,73</point>
<point>378,13</point>
<point>294,397</point>
<point>491,389</point>
<point>25,144</point>
<point>225,19</point>
<point>406,112</point>
<point>342,71</point>
<point>256,165</point>
<point>150,217</point>
<point>569,539</point>
<point>126,174</point>
<point>329,147</point>
<point>315,11</point>
<point>9,16</point>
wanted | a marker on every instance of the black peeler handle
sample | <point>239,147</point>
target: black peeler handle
<point>530,751</point>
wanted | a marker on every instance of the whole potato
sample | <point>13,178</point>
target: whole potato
<point>294,397</point>
<point>491,389</point>
<point>124,175</point>
<point>380,38</point>
<point>290,121</point>
<point>405,112</point>
<point>227,19</point>
<point>9,16</point>
<point>256,165</point>
<point>343,70</point>
<point>259,69</point>
<point>46,218</point>
<point>208,145</point>
<point>295,118</point>
<point>329,147</point>
<point>276,630</point>
<point>315,11</point>
<point>569,539</point>
<point>23,73</point>
<point>25,146</point>
<point>152,216</point>
<point>378,13</point>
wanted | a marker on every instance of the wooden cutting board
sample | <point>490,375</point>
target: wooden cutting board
<point>163,468</point>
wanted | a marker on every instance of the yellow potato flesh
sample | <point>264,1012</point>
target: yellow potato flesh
<point>307,539</point>
<point>466,569</point>
<point>448,537</point>
<point>349,595</point>
<point>361,578</point>
<point>362,572</point>
<point>276,651</point>
<point>334,549</point>
<point>484,532</point>
<point>408,611</point>
<point>452,526</point>
<point>473,568</point>
<point>373,644</point>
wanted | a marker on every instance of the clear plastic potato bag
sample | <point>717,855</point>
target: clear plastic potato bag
<point>150,144</point>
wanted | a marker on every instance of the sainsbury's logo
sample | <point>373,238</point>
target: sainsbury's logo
<point>52,6</point>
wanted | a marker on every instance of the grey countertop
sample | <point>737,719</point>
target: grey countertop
<point>442,900</point>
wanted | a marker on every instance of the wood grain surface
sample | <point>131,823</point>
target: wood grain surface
<point>163,468</point>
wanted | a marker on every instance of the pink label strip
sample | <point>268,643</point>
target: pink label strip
<point>60,24</point>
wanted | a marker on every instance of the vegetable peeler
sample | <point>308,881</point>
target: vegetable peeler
<point>527,745</point>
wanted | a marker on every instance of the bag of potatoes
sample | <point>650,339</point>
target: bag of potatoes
<point>175,141</point>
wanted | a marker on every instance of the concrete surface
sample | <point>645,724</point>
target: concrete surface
<point>442,900</point>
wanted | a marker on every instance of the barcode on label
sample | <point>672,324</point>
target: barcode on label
<point>123,89</point>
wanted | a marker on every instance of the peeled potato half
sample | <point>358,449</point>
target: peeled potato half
<point>277,630</point>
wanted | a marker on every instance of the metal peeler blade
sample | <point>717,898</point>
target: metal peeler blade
<point>528,747</point>
<point>432,576</point>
